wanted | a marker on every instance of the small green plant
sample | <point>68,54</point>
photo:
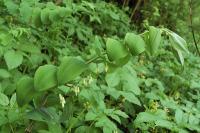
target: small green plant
<point>79,67</point>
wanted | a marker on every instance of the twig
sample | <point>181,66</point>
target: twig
<point>94,59</point>
<point>192,30</point>
<point>29,128</point>
<point>11,128</point>
<point>124,3</point>
<point>135,9</point>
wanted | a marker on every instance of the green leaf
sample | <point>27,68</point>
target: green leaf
<point>3,120</point>
<point>90,116</point>
<point>86,129</point>
<point>129,96</point>
<point>13,100</point>
<point>115,50</point>
<point>164,123</point>
<point>64,11</point>
<point>11,6</point>
<point>178,42</point>
<point>105,123</point>
<point>180,54</point>
<point>179,116</point>
<point>29,48</point>
<point>13,59</point>
<point>25,11</point>
<point>55,128</point>
<point>150,116</point>
<point>153,40</point>
<point>45,77</point>
<point>115,117</point>
<point>45,16</point>
<point>4,74</point>
<point>25,90</point>
<point>120,113</point>
<point>112,79</point>
<point>129,81</point>
<point>36,19</point>
<point>4,101</point>
<point>54,15</point>
<point>135,43</point>
<point>69,69</point>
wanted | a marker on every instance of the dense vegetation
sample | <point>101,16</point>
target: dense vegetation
<point>99,66</point>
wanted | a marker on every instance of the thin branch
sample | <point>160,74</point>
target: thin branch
<point>135,9</point>
<point>192,30</point>
<point>124,4</point>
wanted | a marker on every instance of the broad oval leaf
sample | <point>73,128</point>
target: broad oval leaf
<point>115,50</point>
<point>179,116</point>
<point>25,90</point>
<point>135,43</point>
<point>45,77</point>
<point>69,69</point>
<point>36,19</point>
<point>4,74</point>
<point>45,16</point>
<point>13,59</point>
<point>54,15</point>
<point>153,40</point>
<point>4,101</point>
<point>129,96</point>
<point>178,42</point>
<point>29,48</point>
<point>25,11</point>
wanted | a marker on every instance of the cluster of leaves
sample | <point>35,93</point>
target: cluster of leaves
<point>79,67</point>
<point>176,15</point>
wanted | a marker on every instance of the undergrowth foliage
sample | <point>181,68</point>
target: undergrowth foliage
<point>80,67</point>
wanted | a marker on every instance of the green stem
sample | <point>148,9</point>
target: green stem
<point>70,127</point>
<point>95,58</point>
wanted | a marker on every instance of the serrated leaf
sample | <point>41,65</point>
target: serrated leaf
<point>13,59</point>
<point>4,101</point>
<point>25,91</point>
<point>69,69</point>
<point>45,77</point>
<point>135,43</point>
